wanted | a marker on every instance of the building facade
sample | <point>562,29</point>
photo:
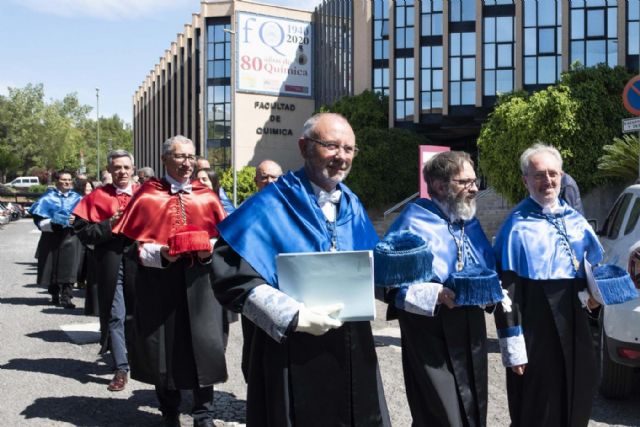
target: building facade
<point>442,64</point>
<point>259,100</point>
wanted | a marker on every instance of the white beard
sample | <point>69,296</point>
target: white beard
<point>460,208</point>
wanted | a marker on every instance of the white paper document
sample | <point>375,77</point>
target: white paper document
<point>325,278</point>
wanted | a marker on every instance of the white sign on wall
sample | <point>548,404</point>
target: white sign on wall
<point>274,55</point>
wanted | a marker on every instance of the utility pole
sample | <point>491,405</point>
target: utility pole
<point>98,177</point>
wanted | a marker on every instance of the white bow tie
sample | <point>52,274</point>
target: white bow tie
<point>333,197</point>
<point>124,191</point>
<point>178,188</point>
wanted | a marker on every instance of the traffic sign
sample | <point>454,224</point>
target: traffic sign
<point>631,96</point>
<point>631,125</point>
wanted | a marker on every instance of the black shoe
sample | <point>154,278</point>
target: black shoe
<point>55,300</point>
<point>172,420</point>
<point>68,305</point>
<point>203,423</point>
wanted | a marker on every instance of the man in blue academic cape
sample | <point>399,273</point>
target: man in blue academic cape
<point>306,368</point>
<point>444,353</point>
<point>58,246</point>
<point>545,339</point>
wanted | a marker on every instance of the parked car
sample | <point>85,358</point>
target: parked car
<point>5,215</point>
<point>24,182</point>
<point>620,324</point>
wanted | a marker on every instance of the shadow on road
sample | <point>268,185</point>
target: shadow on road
<point>94,411</point>
<point>385,341</point>
<point>78,311</point>
<point>25,301</point>
<point>51,336</point>
<point>493,345</point>
<point>79,370</point>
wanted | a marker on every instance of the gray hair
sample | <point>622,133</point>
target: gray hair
<point>115,154</point>
<point>309,127</point>
<point>147,171</point>
<point>167,146</point>
<point>537,148</point>
<point>443,166</point>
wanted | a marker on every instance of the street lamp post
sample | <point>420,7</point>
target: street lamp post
<point>233,125</point>
<point>98,177</point>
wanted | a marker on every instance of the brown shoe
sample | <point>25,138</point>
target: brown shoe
<point>119,381</point>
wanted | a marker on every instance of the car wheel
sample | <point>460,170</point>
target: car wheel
<point>615,380</point>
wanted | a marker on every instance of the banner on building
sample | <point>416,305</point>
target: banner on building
<point>273,55</point>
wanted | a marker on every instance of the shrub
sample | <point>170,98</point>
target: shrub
<point>246,186</point>
<point>38,189</point>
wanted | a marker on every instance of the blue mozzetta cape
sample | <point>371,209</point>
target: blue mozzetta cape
<point>285,217</point>
<point>54,202</point>
<point>527,236</point>
<point>425,219</point>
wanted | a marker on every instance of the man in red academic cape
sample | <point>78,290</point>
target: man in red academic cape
<point>178,341</point>
<point>96,214</point>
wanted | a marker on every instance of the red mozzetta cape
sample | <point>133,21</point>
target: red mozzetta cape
<point>154,213</point>
<point>102,203</point>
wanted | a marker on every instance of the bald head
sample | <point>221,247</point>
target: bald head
<point>267,172</point>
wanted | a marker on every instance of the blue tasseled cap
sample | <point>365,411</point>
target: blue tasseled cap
<point>475,285</point>
<point>402,258</point>
<point>615,285</point>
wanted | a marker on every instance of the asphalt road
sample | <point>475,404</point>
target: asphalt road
<point>49,378</point>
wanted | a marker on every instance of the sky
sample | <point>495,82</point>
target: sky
<point>80,45</point>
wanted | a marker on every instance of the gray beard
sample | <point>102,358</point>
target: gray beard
<point>458,208</point>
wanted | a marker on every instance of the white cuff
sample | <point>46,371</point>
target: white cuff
<point>45,225</point>
<point>150,255</point>
<point>421,298</point>
<point>271,310</point>
<point>513,351</point>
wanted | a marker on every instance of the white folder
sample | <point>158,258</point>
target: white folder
<point>325,278</point>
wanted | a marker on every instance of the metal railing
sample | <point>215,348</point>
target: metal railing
<point>400,204</point>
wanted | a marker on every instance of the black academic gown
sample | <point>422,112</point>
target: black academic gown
<point>179,327</point>
<point>327,380</point>
<point>443,357</point>
<point>109,250</point>
<point>57,255</point>
<point>560,376</point>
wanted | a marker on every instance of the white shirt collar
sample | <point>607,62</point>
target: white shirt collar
<point>128,190</point>
<point>327,200</point>
<point>176,186</point>
<point>553,209</point>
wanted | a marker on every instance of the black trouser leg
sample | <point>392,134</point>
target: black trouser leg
<point>54,290</point>
<point>66,292</point>
<point>169,400</point>
<point>202,404</point>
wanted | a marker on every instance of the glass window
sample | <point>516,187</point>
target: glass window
<point>633,217</point>
<point>619,216</point>
<point>594,32</point>
<point>498,44</point>
<point>381,46</point>
<point>543,44</point>
<point>546,43</point>
<point>595,23</point>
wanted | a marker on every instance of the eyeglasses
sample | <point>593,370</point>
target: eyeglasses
<point>467,183</point>
<point>333,147</point>
<point>184,157</point>
<point>542,175</point>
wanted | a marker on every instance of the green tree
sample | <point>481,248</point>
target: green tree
<point>386,169</point>
<point>365,110</point>
<point>114,133</point>
<point>246,186</point>
<point>578,116</point>
<point>620,159</point>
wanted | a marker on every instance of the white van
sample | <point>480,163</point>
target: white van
<point>24,182</point>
